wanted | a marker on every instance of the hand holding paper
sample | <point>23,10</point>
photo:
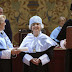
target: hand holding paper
<point>15,51</point>
<point>18,50</point>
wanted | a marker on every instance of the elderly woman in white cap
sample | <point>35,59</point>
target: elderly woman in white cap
<point>6,48</point>
<point>40,47</point>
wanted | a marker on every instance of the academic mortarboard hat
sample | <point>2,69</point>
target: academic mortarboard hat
<point>71,7</point>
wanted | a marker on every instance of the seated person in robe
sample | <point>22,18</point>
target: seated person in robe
<point>56,31</point>
<point>6,48</point>
<point>40,46</point>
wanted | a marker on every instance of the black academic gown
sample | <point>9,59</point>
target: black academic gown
<point>62,36</point>
<point>5,65</point>
<point>39,68</point>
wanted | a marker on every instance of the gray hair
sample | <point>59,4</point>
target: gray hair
<point>61,18</point>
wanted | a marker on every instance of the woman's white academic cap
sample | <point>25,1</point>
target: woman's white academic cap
<point>35,19</point>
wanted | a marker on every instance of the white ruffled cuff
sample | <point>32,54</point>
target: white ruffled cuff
<point>44,59</point>
<point>62,44</point>
<point>27,58</point>
<point>6,54</point>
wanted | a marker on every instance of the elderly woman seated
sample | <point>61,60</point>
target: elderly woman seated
<point>6,48</point>
<point>40,47</point>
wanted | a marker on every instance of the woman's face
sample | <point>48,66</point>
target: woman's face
<point>36,28</point>
<point>2,24</point>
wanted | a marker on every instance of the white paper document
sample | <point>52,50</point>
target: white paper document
<point>23,49</point>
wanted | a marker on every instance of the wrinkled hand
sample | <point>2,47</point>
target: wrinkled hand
<point>35,61</point>
<point>15,51</point>
<point>38,61</point>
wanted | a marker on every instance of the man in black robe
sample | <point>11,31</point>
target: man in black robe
<point>62,36</point>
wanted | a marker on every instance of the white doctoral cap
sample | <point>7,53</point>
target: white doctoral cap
<point>35,19</point>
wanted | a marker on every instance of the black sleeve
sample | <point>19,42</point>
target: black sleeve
<point>22,54</point>
<point>62,34</point>
<point>49,52</point>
